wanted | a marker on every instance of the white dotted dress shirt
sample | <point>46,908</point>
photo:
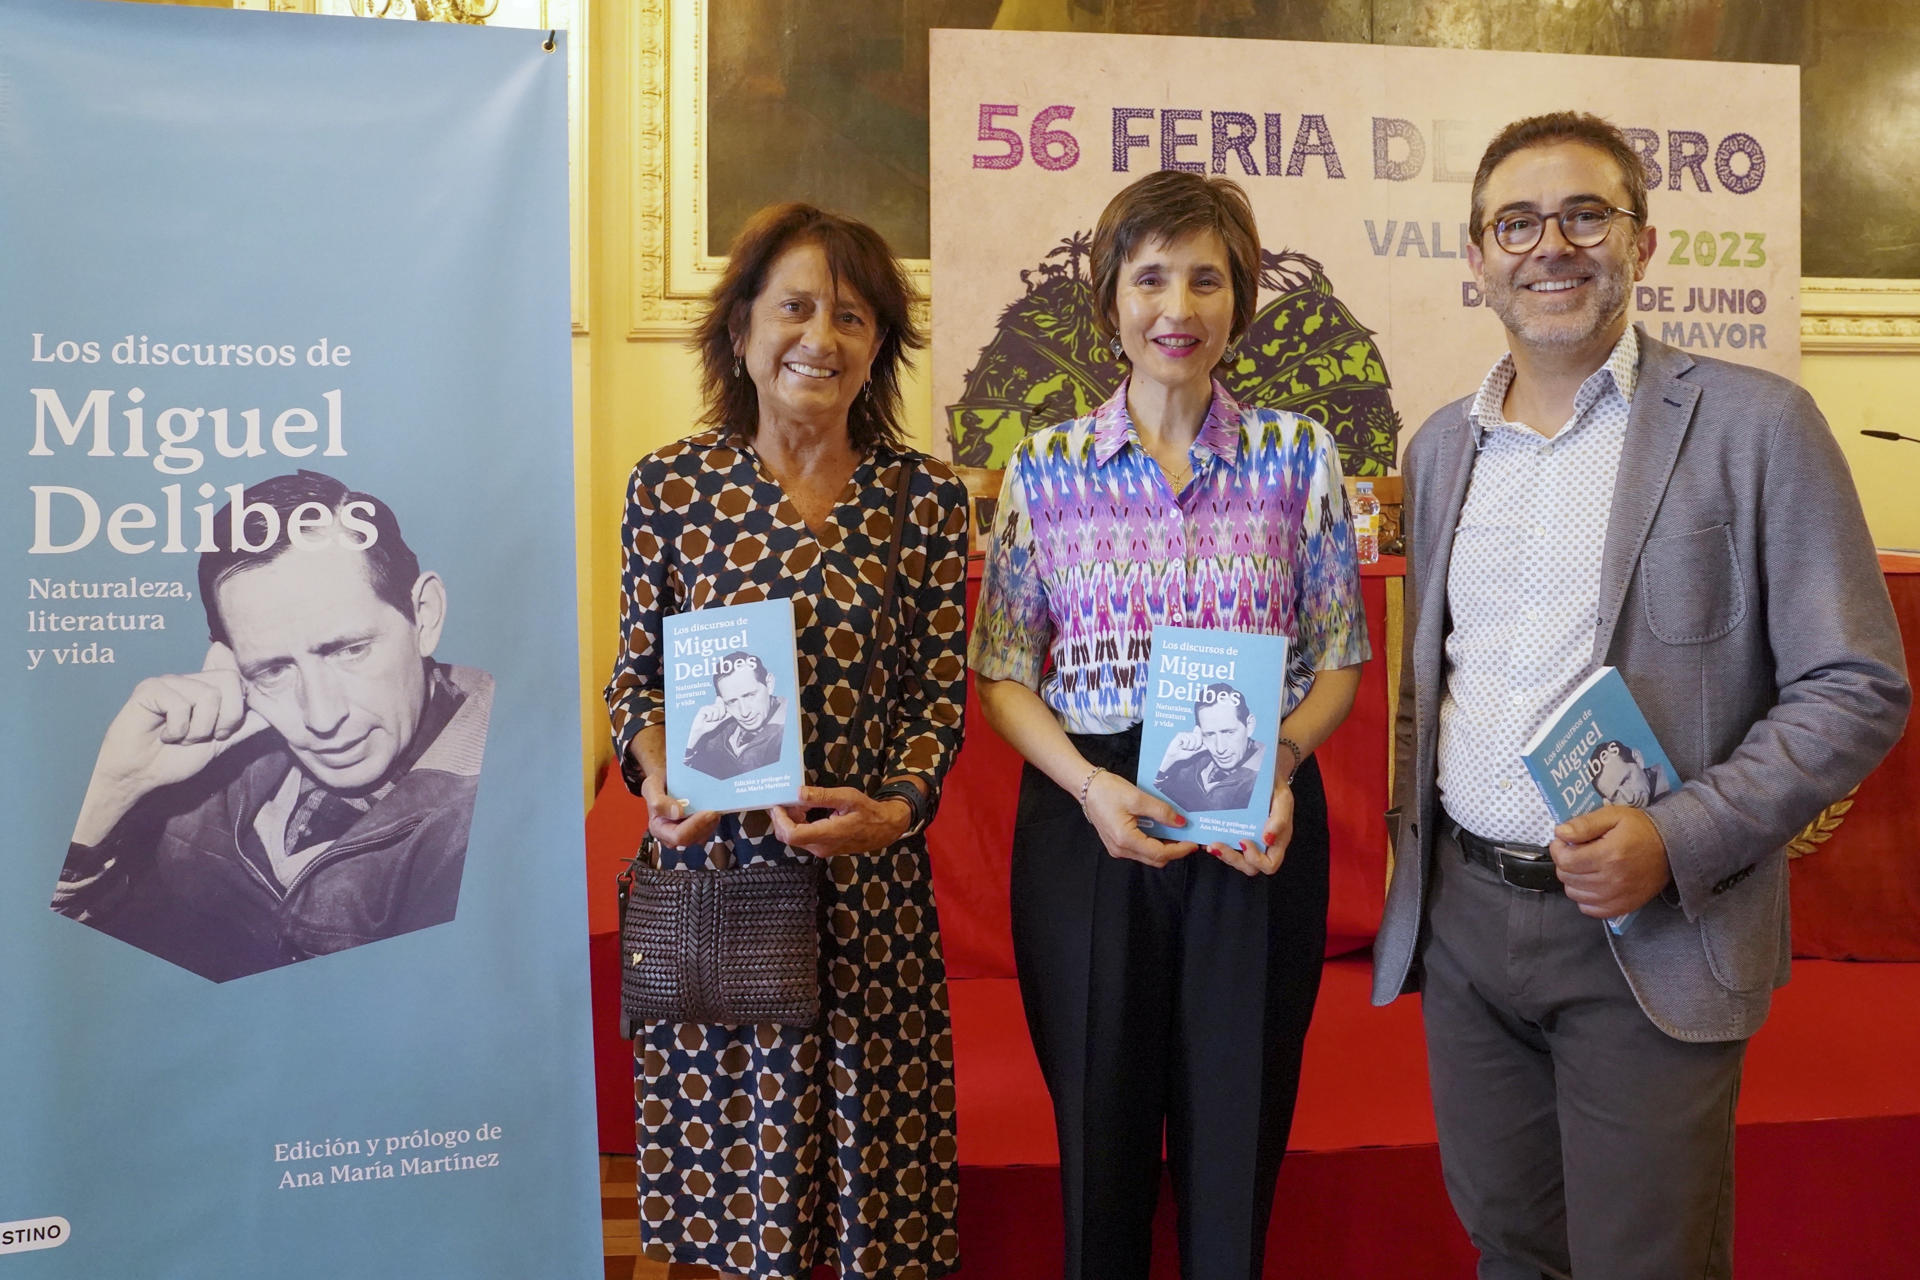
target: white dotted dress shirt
<point>1524,591</point>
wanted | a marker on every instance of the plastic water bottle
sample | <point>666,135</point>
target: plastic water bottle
<point>1366,522</point>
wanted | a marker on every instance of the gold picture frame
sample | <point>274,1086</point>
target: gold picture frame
<point>1859,317</point>
<point>673,268</point>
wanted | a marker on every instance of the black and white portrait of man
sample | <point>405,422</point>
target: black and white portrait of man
<point>743,727</point>
<point>1214,765</point>
<point>310,788</point>
<point>1622,777</point>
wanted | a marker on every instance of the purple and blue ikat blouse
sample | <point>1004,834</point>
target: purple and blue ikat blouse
<point>1091,549</point>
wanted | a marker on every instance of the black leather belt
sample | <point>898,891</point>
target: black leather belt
<point>1524,866</point>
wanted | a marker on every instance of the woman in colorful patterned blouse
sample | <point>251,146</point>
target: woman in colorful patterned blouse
<point>1166,985</point>
<point>768,1150</point>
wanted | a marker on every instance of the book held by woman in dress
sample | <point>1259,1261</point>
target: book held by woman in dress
<point>733,725</point>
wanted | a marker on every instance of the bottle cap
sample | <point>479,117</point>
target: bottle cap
<point>1364,486</point>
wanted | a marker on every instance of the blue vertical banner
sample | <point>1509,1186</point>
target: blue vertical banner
<point>292,928</point>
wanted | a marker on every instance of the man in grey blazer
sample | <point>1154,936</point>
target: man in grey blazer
<point>1608,500</point>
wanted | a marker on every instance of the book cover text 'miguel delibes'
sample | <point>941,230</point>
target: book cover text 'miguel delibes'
<point>1597,749</point>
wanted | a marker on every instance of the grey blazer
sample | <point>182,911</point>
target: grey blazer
<point>1741,599</point>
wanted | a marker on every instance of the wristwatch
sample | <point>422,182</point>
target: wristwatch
<point>916,801</point>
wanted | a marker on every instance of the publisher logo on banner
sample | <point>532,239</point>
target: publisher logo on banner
<point>29,1234</point>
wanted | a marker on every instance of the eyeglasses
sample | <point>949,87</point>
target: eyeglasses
<point>1582,226</point>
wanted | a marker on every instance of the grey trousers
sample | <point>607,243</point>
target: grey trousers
<point>1576,1138</point>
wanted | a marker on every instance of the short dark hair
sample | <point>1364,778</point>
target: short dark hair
<point>1218,692</point>
<point>392,568</point>
<point>1545,131</point>
<point>729,663</point>
<point>1167,206</point>
<point>1612,746</point>
<point>856,256</point>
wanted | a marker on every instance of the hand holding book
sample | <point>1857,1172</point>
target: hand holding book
<point>1115,807</point>
<point>1263,858</point>
<point>854,822</point>
<point>668,818</point>
<point>1598,765</point>
<point>1612,861</point>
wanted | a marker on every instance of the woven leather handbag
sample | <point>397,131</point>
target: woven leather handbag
<point>737,946</point>
<point>733,948</point>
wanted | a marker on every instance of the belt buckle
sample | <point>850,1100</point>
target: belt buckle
<point>1513,860</point>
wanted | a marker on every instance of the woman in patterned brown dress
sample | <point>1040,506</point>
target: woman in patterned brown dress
<point>768,1150</point>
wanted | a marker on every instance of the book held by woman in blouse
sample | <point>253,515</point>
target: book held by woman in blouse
<point>733,725</point>
<point>1210,722</point>
<point>1597,749</point>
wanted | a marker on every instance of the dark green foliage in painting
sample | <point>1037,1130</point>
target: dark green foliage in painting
<point>1305,352</point>
<point>1046,363</point>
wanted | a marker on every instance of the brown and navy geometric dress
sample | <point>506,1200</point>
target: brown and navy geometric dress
<point>767,1150</point>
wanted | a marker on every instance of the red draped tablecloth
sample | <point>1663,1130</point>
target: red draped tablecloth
<point>1856,886</point>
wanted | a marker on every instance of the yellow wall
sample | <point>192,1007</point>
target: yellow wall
<point>640,394</point>
<point>632,396</point>
<point>1880,393</point>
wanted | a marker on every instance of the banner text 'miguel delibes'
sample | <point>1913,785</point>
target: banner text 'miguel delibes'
<point>178,439</point>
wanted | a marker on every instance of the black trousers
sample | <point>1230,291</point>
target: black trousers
<point>1167,1000</point>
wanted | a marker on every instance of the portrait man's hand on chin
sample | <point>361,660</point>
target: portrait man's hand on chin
<point>741,729</point>
<point>1215,764</point>
<point>171,728</point>
<point>310,788</point>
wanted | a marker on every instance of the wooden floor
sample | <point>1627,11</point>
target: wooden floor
<point>620,1222</point>
<point>620,1229</point>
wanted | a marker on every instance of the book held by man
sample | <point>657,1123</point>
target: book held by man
<point>1597,749</point>
<point>733,725</point>
<point>1212,717</point>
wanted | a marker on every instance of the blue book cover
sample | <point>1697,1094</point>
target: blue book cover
<point>733,722</point>
<point>1597,749</point>
<point>1212,718</point>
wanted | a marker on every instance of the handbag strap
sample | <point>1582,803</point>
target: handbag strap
<point>909,465</point>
